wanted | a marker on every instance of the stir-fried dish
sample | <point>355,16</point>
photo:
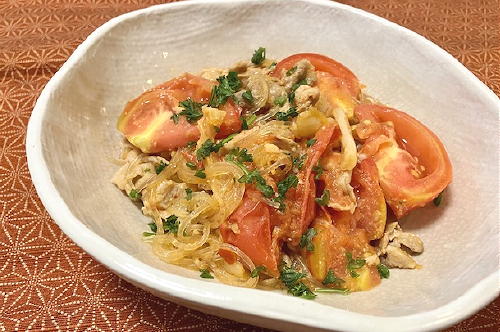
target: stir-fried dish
<point>279,175</point>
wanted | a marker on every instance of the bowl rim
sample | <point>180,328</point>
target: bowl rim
<point>219,295</point>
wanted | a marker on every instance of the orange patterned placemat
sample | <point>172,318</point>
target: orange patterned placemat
<point>46,281</point>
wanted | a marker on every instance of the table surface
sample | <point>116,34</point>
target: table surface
<point>47,281</point>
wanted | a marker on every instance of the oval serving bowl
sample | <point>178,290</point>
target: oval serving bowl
<point>72,137</point>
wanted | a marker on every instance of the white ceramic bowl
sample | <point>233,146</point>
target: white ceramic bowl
<point>72,136</point>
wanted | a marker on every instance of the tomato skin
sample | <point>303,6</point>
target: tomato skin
<point>146,120</point>
<point>323,64</point>
<point>404,191</point>
<point>254,230</point>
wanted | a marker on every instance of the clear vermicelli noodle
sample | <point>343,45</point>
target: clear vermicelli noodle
<point>279,175</point>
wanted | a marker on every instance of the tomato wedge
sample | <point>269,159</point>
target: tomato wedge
<point>249,229</point>
<point>371,211</point>
<point>146,121</point>
<point>405,184</point>
<point>300,205</point>
<point>323,64</point>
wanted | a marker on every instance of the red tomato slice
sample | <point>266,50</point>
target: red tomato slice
<point>323,64</point>
<point>300,205</point>
<point>403,188</point>
<point>371,211</point>
<point>253,236</point>
<point>147,124</point>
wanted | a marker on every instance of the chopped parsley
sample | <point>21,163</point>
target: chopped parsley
<point>286,116</point>
<point>331,278</point>
<point>291,279</point>
<point>291,181</point>
<point>306,239</point>
<point>201,174</point>
<point>290,71</point>
<point>311,142</point>
<point>324,199</point>
<point>191,165</point>
<point>291,95</point>
<point>134,194</point>
<point>354,264</point>
<point>228,85</point>
<point>170,225</point>
<point>438,200</point>
<point>189,194</point>
<point>192,111</point>
<point>280,101</point>
<point>383,271</point>
<point>146,234</point>
<point>254,177</point>
<point>318,170</point>
<point>247,95</point>
<point>299,83</point>
<point>258,269</point>
<point>238,157</point>
<point>247,121</point>
<point>298,161</point>
<point>191,145</point>
<point>210,146</point>
<point>153,227</point>
<point>160,167</point>
<point>259,55</point>
<point>206,274</point>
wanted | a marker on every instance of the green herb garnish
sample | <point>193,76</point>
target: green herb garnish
<point>280,101</point>
<point>299,83</point>
<point>205,273</point>
<point>259,55</point>
<point>318,170</point>
<point>354,264</point>
<point>311,142</point>
<point>191,165</point>
<point>331,278</point>
<point>291,71</point>
<point>153,227</point>
<point>134,194</point>
<point>306,239</point>
<point>286,116</point>
<point>383,271</point>
<point>291,279</point>
<point>228,85</point>
<point>192,110</point>
<point>171,224</point>
<point>438,200</point>
<point>160,167</point>
<point>189,194</point>
<point>291,181</point>
<point>258,269</point>
<point>238,157</point>
<point>247,95</point>
<point>147,234</point>
<point>298,162</point>
<point>201,174</point>
<point>209,146</point>
<point>191,145</point>
<point>324,199</point>
<point>247,121</point>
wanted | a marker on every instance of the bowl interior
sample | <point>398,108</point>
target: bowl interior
<point>79,138</point>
